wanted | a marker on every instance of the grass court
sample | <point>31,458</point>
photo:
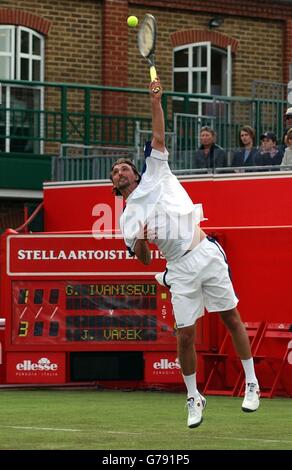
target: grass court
<point>87,419</point>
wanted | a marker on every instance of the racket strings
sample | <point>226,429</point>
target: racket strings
<point>146,38</point>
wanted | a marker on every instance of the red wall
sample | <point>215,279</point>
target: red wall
<point>244,201</point>
<point>227,202</point>
<point>261,270</point>
<point>260,256</point>
<point>251,217</point>
<point>69,208</point>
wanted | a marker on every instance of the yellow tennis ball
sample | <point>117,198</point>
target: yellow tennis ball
<point>132,21</point>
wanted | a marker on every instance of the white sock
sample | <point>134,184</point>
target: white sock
<point>191,384</point>
<point>248,367</point>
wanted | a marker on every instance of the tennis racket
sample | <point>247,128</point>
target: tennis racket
<point>146,44</point>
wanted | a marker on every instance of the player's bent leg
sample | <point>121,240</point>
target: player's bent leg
<point>187,357</point>
<point>186,350</point>
<point>232,321</point>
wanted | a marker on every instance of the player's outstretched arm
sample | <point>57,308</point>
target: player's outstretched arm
<point>158,126</point>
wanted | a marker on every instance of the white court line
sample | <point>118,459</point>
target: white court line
<point>123,432</point>
<point>251,439</point>
<point>36,428</point>
<point>39,429</point>
<point>228,438</point>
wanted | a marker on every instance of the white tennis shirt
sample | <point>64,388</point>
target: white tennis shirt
<point>161,203</point>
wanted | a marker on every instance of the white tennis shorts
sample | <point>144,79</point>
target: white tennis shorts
<point>199,280</point>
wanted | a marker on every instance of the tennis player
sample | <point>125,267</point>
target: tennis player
<point>158,209</point>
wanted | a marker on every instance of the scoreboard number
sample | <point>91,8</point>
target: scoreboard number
<point>23,328</point>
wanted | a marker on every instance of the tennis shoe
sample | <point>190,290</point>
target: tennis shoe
<point>195,407</point>
<point>251,400</point>
<point>204,401</point>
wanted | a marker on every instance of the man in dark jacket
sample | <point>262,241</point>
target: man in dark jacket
<point>268,154</point>
<point>209,155</point>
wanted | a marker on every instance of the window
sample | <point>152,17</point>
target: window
<point>203,69</point>
<point>21,58</point>
<point>6,52</point>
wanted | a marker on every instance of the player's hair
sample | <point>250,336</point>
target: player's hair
<point>131,164</point>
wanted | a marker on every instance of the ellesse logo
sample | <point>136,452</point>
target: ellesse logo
<point>43,364</point>
<point>165,364</point>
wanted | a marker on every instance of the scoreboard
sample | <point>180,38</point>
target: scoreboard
<point>69,313</point>
<point>78,308</point>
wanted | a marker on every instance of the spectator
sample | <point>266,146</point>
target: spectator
<point>287,159</point>
<point>288,125</point>
<point>268,153</point>
<point>209,155</point>
<point>245,155</point>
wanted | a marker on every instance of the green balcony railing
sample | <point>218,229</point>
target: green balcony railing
<point>47,118</point>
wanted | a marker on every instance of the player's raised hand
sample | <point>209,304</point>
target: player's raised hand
<point>155,89</point>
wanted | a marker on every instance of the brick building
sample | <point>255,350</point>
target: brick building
<point>214,47</point>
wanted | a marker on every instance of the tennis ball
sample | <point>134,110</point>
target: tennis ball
<point>132,21</point>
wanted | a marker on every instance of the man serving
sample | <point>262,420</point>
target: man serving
<point>158,209</point>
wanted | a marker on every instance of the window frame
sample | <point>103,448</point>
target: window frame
<point>190,69</point>
<point>10,54</point>
<point>15,74</point>
<point>30,56</point>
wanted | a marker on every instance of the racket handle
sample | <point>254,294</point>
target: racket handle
<point>153,73</point>
<point>153,76</point>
